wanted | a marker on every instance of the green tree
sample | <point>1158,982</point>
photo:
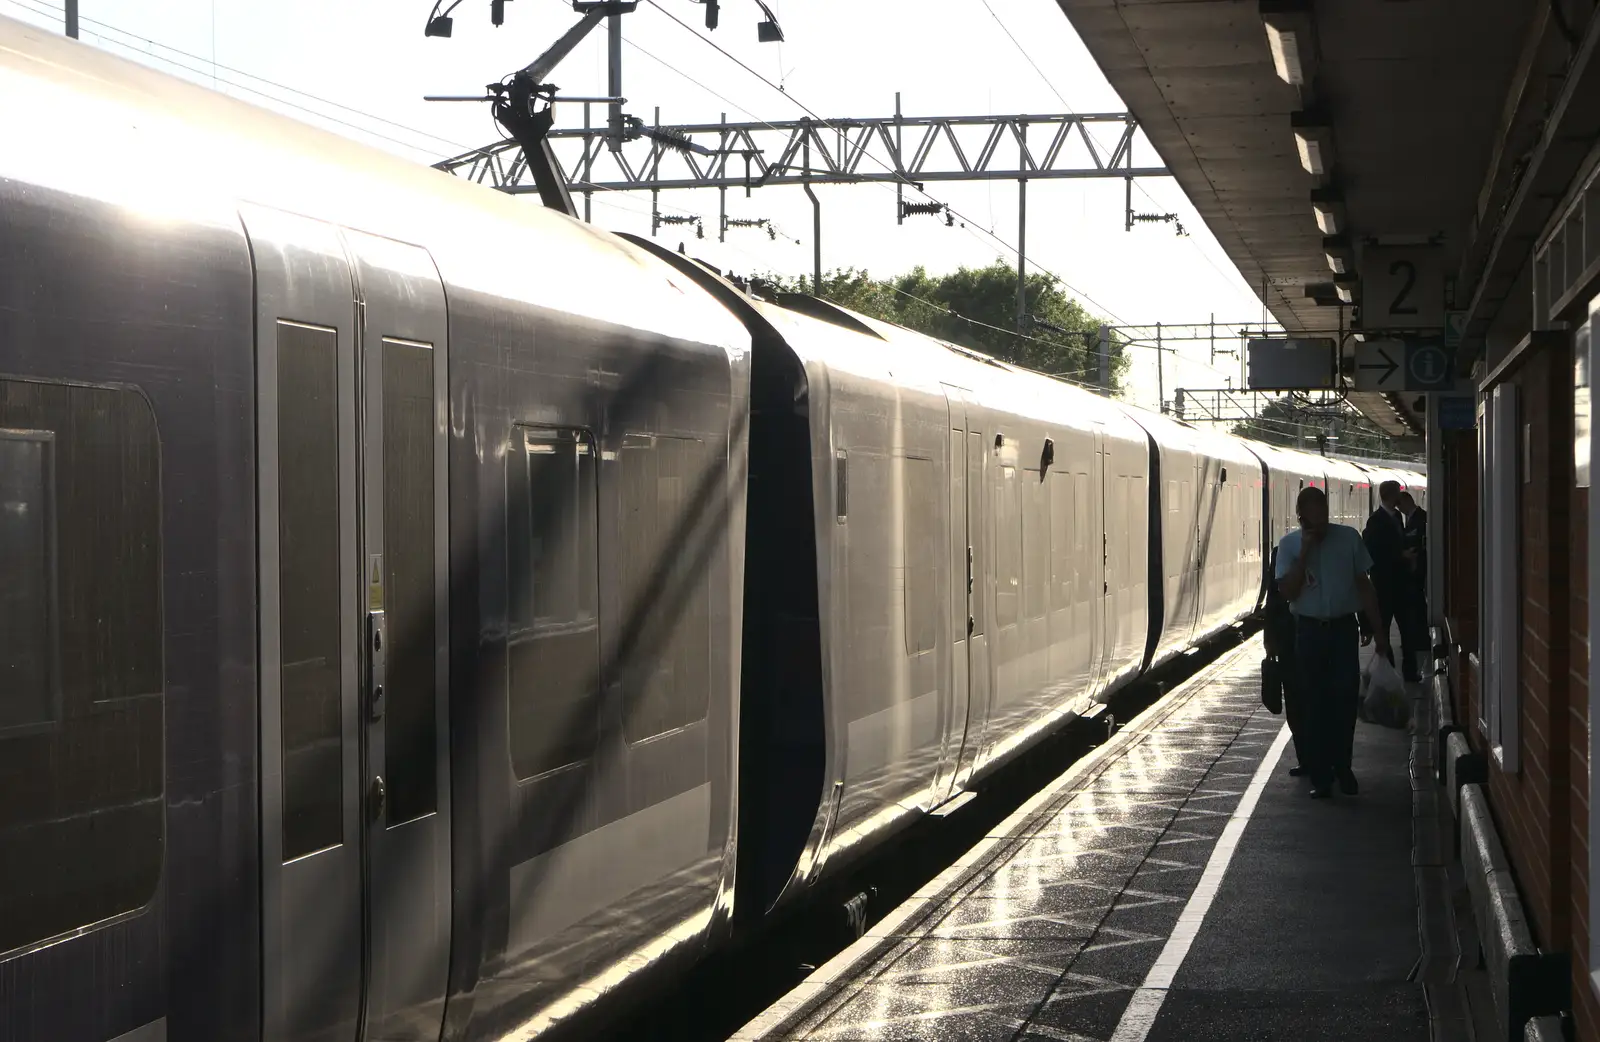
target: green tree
<point>977,308</point>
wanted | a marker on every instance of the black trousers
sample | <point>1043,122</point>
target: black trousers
<point>1294,706</point>
<point>1405,606</point>
<point>1328,675</point>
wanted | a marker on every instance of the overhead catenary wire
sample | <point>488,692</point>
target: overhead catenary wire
<point>1139,185</point>
<point>1026,56</point>
<point>906,182</point>
<point>43,7</point>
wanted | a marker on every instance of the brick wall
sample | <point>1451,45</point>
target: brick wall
<point>1533,804</point>
<point>1542,808</point>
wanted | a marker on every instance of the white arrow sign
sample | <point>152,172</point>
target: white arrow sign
<point>1380,365</point>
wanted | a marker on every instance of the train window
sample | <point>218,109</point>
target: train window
<point>310,651</point>
<point>410,724</point>
<point>29,668</point>
<point>553,629</point>
<point>1008,547</point>
<point>841,485</point>
<point>82,818</point>
<point>668,491</point>
<point>924,544</point>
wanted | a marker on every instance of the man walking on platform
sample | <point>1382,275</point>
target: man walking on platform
<point>1385,537</point>
<point>1322,572</point>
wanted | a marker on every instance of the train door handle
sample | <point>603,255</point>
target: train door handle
<point>377,796</point>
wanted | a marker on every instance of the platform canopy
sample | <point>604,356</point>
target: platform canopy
<point>1423,116</point>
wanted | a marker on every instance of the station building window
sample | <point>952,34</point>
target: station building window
<point>82,819</point>
<point>1501,592</point>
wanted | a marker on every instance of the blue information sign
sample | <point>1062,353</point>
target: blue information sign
<point>1457,412</point>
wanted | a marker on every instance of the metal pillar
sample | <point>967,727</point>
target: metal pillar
<point>72,18</point>
<point>1105,360</point>
<point>1161,381</point>
<point>588,194</point>
<point>1022,254</point>
<point>722,205</point>
<point>816,226</point>
<point>899,187</point>
<point>614,84</point>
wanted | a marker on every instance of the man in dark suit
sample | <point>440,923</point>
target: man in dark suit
<point>1391,572</point>
<point>1416,555</point>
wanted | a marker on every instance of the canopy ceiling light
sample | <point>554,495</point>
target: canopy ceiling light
<point>1345,286</point>
<point>1313,139</point>
<point>1328,205</point>
<point>1288,38</point>
<point>1336,249</point>
<point>1322,293</point>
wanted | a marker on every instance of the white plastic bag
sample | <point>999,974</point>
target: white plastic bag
<point>1384,700</point>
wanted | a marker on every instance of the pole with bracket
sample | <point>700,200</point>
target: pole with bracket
<point>816,220</point>
<point>72,18</point>
<point>614,80</point>
<point>899,185</point>
<point>722,200</point>
<point>1161,382</point>
<point>1022,252</point>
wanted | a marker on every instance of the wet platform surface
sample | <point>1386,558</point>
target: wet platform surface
<point>1176,884</point>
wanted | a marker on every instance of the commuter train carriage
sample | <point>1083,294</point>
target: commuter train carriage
<point>470,736</point>
<point>959,596</point>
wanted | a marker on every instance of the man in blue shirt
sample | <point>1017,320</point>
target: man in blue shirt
<point>1322,573</point>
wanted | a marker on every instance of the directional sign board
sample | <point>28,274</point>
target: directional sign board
<point>1397,365</point>
<point>1380,365</point>
<point>1278,364</point>
<point>1402,287</point>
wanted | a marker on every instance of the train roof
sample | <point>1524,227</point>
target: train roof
<point>180,153</point>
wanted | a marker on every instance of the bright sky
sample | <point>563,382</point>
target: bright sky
<point>361,67</point>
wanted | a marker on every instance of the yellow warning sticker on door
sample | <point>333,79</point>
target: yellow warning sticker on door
<point>375,583</point>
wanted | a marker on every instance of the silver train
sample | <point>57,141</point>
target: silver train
<point>424,616</point>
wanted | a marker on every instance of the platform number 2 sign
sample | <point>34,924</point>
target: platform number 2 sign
<point>1402,287</point>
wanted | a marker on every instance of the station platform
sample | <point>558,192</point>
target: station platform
<point>1175,884</point>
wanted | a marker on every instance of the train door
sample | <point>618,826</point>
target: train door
<point>1100,600</point>
<point>405,570</point>
<point>959,600</point>
<point>962,585</point>
<point>350,387</point>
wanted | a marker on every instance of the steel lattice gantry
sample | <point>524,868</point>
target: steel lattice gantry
<point>913,149</point>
